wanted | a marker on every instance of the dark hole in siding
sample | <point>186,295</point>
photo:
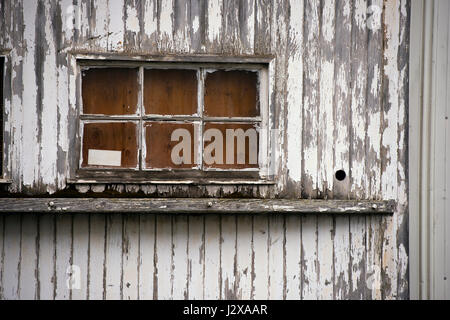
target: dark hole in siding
<point>2,74</point>
<point>341,175</point>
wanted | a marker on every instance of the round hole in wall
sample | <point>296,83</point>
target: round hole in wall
<point>340,175</point>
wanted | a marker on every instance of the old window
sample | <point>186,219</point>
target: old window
<point>173,120</point>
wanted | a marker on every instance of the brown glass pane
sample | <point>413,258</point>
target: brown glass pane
<point>244,134</point>
<point>110,91</point>
<point>170,92</point>
<point>231,94</point>
<point>102,142</point>
<point>162,152</point>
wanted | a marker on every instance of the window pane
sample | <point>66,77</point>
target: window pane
<point>162,152</point>
<point>110,144</point>
<point>110,91</point>
<point>231,146</point>
<point>170,92</point>
<point>231,94</point>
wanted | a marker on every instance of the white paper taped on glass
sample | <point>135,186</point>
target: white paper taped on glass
<point>107,158</point>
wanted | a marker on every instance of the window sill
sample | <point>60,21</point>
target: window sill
<point>5,181</point>
<point>171,182</point>
<point>194,206</point>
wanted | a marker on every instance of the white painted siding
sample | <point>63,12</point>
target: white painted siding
<point>338,98</point>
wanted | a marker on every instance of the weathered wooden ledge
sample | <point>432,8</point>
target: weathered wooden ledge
<point>193,206</point>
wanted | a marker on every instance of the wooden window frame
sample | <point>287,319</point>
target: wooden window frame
<point>141,175</point>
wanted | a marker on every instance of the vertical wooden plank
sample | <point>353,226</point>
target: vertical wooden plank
<point>325,235</point>
<point>164,256</point>
<point>260,257</point>
<point>116,25</point>
<point>28,284</point>
<point>294,95</point>
<point>374,248</point>
<point>46,254</point>
<point>198,26</point>
<point>263,13</point>
<point>212,286</point>
<point>80,255</point>
<point>63,35</point>
<point>63,255</point>
<point>358,180</point>
<point>358,183</point>
<point>101,24</point>
<point>132,25</point>
<point>326,126</point>
<point>11,256</point>
<point>374,81</point>
<point>246,18</point>
<point>113,257</point>
<point>130,257</point>
<point>310,99</point>
<point>180,258</point>
<point>85,24</point>
<point>358,280</point>
<point>196,247</point>
<point>30,159</point>
<point>326,147</point>
<point>373,141</point>
<point>342,100</point>
<point>146,256</point>
<point>231,40</point>
<point>277,262</point>
<point>150,29</point>
<point>342,96</point>
<point>389,185</point>
<point>293,257</point>
<point>47,100</point>
<point>214,32</point>
<point>309,258</point>
<point>227,256</point>
<point>13,93</point>
<point>402,222</point>
<point>278,119</point>
<point>165,21</point>
<point>96,256</point>
<point>181,26</point>
<point>243,276</point>
<point>341,258</point>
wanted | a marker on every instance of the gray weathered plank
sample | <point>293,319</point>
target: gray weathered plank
<point>198,206</point>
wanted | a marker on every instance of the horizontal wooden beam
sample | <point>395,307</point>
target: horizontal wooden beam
<point>193,206</point>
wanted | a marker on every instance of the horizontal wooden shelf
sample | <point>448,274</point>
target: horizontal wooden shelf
<point>193,206</point>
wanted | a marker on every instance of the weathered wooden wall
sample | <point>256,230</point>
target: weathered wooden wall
<point>340,101</point>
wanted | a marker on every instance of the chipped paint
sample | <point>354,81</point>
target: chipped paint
<point>336,91</point>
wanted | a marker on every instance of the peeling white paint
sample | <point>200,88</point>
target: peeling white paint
<point>295,92</point>
<point>214,20</point>
<point>132,20</point>
<point>189,256</point>
<point>30,160</point>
